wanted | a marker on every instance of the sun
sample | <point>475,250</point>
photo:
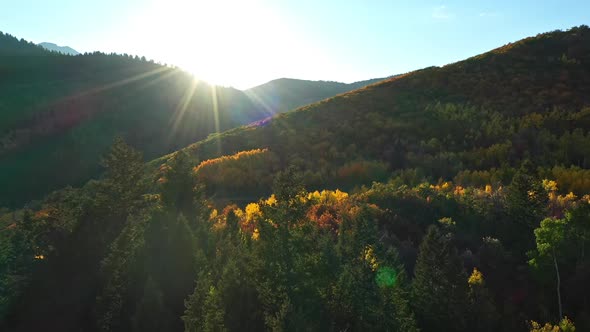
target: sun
<point>231,43</point>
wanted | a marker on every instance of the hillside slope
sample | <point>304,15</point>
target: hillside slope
<point>528,99</point>
<point>59,113</point>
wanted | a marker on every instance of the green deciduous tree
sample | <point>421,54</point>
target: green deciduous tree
<point>550,238</point>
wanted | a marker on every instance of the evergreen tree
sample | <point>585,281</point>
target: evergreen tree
<point>119,271</point>
<point>393,283</point>
<point>179,190</point>
<point>275,252</point>
<point>439,288</point>
<point>150,313</point>
<point>405,319</point>
<point>123,182</point>
<point>526,203</point>
<point>288,185</point>
<point>195,304</point>
<point>170,259</point>
<point>237,292</point>
<point>213,312</point>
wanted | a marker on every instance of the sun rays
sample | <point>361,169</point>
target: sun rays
<point>189,112</point>
<point>183,106</point>
<point>223,42</point>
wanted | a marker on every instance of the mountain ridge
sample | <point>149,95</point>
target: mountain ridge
<point>284,94</point>
<point>57,48</point>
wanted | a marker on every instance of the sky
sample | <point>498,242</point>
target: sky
<point>243,43</point>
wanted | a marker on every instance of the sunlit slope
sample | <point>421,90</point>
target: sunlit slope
<point>59,113</point>
<point>528,99</point>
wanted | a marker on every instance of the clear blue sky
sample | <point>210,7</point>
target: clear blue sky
<point>247,42</point>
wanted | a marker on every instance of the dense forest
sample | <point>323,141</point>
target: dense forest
<point>62,112</point>
<point>453,198</point>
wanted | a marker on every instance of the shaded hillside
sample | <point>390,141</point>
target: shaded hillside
<point>286,93</point>
<point>528,99</point>
<point>58,113</point>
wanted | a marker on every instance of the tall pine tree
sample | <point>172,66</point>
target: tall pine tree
<point>439,288</point>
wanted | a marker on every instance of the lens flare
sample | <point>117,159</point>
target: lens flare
<point>386,277</point>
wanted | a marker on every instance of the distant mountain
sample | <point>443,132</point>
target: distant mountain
<point>61,49</point>
<point>284,94</point>
<point>63,112</point>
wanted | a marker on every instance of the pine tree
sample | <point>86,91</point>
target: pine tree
<point>391,277</point>
<point>150,314</point>
<point>116,272</point>
<point>275,252</point>
<point>123,181</point>
<point>195,304</point>
<point>405,320</point>
<point>288,185</point>
<point>179,191</point>
<point>213,315</point>
<point>526,202</point>
<point>170,259</point>
<point>439,288</point>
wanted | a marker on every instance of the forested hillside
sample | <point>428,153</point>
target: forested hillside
<point>446,199</point>
<point>58,113</point>
<point>474,122</point>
